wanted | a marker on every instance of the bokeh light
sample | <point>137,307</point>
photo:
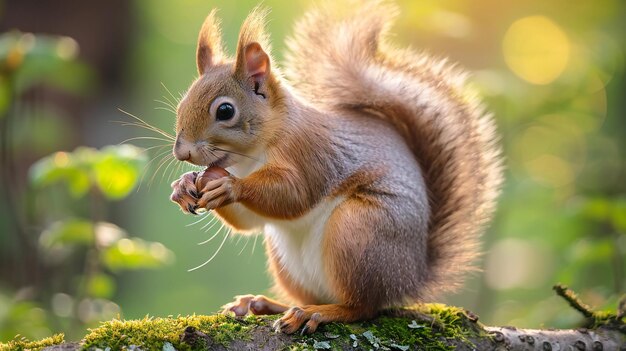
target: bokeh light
<point>536,49</point>
<point>516,263</point>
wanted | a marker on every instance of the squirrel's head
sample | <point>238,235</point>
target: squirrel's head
<point>227,112</point>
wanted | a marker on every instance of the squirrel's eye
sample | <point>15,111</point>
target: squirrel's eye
<point>224,112</point>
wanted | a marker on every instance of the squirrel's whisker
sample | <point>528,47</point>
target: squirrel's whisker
<point>172,95</point>
<point>151,127</point>
<point>205,150</point>
<point>170,102</point>
<point>203,217</point>
<point>165,109</point>
<point>167,103</point>
<point>244,245</point>
<point>157,146</point>
<point>212,257</point>
<point>176,169</point>
<point>211,222</point>
<point>236,153</point>
<point>214,235</point>
<point>239,237</point>
<point>166,160</point>
<point>256,237</point>
<point>165,170</point>
<point>146,138</point>
<point>148,127</point>
<point>161,153</point>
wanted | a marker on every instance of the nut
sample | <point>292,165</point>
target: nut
<point>209,174</point>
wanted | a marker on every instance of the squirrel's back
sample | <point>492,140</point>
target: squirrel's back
<point>339,60</point>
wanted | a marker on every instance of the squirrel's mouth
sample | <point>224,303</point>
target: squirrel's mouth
<point>222,162</point>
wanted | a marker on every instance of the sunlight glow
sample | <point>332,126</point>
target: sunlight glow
<point>536,49</point>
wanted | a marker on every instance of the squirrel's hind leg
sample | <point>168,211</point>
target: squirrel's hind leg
<point>254,304</point>
<point>372,261</point>
<point>351,241</point>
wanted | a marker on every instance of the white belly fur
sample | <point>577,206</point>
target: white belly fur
<point>298,244</point>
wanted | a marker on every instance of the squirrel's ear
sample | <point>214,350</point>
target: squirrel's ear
<point>253,62</point>
<point>209,51</point>
<point>255,65</point>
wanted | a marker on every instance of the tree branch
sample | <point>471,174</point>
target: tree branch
<point>423,327</point>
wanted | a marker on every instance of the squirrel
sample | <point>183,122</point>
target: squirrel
<point>371,170</point>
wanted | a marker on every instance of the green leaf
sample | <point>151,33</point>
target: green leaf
<point>114,170</point>
<point>60,166</point>
<point>101,285</point>
<point>69,232</point>
<point>117,171</point>
<point>136,254</point>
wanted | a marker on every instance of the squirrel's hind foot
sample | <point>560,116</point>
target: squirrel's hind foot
<point>313,315</point>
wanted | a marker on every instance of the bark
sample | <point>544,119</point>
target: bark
<point>509,338</point>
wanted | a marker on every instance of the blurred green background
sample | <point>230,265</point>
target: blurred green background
<point>86,228</point>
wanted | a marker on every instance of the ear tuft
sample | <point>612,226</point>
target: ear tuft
<point>210,50</point>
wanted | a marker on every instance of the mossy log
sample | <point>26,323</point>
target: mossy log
<point>428,327</point>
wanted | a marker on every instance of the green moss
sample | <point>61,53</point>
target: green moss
<point>397,333</point>
<point>19,344</point>
<point>607,318</point>
<point>427,327</point>
<point>152,333</point>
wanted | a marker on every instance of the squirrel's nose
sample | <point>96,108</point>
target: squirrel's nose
<point>182,150</point>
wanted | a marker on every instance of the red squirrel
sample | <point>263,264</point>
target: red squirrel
<point>371,170</point>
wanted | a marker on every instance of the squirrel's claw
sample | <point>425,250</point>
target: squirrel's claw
<point>185,193</point>
<point>311,316</point>
<point>293,319</point>
<point>192,209</point>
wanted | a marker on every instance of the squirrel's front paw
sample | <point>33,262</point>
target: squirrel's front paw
<point>258,305</point>
<point>217,193</point>
<point>185,193</point>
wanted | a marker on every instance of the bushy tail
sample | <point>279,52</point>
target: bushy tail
<point>338,58</point>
